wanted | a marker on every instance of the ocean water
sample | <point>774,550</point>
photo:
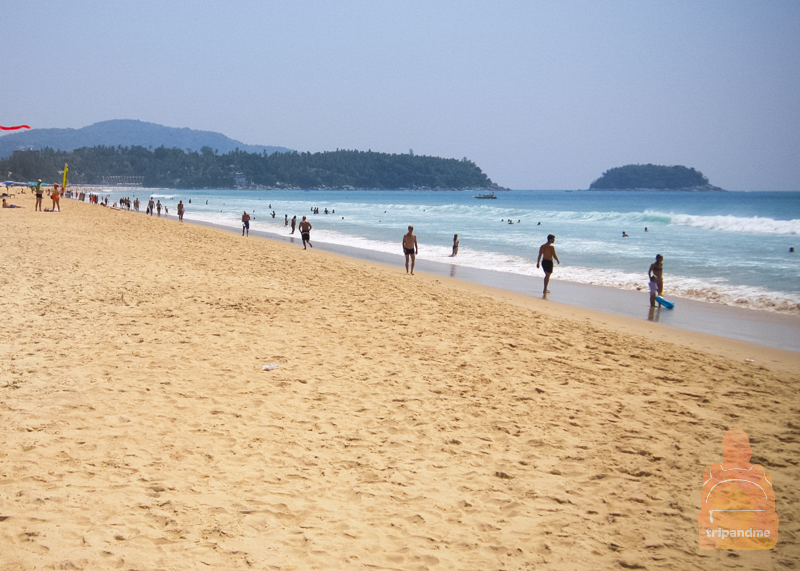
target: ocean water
<point>722,247</point>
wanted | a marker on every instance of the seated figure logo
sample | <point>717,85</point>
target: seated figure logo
<point>737,508</point>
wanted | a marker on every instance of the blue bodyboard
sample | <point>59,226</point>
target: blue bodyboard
<point>665,302</point>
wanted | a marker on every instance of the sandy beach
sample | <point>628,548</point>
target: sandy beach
<point>413,422</point>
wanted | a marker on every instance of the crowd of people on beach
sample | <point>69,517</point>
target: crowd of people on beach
<point>56,193</point>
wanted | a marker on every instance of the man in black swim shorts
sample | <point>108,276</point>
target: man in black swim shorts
<point>548,252</point>
<point>39,195</point>
<point>410,248</point>
<point>305,232</point>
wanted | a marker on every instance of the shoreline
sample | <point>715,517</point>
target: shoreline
<point>763,328</point>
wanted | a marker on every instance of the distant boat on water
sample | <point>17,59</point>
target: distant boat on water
<point>490,195</point>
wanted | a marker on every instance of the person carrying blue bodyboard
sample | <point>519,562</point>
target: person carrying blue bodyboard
<point>656,272</point>
<point>656,276</point>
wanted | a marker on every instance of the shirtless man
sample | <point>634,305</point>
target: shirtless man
<point>548,252</point>
<point>245,223</point>
<point>181,210</point>
<point>305,232</point>
<point>410,248</point>
<point>657,270</point>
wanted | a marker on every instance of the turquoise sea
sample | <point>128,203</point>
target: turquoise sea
<point>724,247</point>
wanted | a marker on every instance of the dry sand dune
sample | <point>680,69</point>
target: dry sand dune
<point>412,423</point>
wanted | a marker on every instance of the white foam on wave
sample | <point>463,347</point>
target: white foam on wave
<point>160,196</point>
<point>723,223</point>
<point>755,224</point>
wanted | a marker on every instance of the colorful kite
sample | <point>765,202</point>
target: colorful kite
<point>14,128</point>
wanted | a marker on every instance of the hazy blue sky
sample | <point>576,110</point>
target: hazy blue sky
<point>541,95</point>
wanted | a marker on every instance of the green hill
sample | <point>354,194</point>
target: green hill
<point>126,133</point>
<point>655,177</point>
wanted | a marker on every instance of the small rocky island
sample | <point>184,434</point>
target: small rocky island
<point>652,177</point>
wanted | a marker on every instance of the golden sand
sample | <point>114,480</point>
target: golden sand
<point>413,422</point>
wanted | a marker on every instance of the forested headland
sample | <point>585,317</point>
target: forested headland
<point>655,177</point>
<point>174,168</point>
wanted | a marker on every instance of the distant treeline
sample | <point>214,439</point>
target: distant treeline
<point>175,168</point>
<point>652,177</point>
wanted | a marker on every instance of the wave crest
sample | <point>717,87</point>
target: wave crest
<point>755,224</point>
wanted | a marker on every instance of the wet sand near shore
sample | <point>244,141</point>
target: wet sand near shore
<point>413,422</point>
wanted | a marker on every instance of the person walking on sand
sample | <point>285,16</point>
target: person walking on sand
<point>158,207</point>
<point>305,232</point>
<point>657,270</point>
<point>548,252</point>
<point>180,210</point>
<point>245,224</point>
<point>151,205</point>
<point>410,248</point>
<point>294,222</point>
<point>455,246</point>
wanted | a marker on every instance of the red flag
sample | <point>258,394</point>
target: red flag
<point>14,128</point>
